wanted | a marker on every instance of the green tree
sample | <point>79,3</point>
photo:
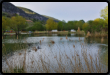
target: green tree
<point>5,24</point>
<point>90,24</point>
<point>79,24</point>
<point>44,26</point>
<point>74,25</point>
<point>38,26</point>
<point>55,25</point>
<point>70,25</point>
<point>104,14</point>
<point>85,27</point>
<point>50,24</point>
<point>82,21</point>
<point>60,26</point>
<point>17,23</point>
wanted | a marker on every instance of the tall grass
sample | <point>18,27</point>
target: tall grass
<point>99,34</point>
<point>80,33</point>
<point>76,63</point>
<point>11,47</point>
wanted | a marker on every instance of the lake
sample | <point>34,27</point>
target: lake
<point>72,54</point>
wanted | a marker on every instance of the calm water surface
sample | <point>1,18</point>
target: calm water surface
<point>49,52</point>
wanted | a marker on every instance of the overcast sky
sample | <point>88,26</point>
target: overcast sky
<point>66,10</point>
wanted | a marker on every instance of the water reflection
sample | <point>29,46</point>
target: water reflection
<point>49,51</point>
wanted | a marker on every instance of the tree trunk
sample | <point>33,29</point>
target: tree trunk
<point>3,34</point>
<point>16,33</point>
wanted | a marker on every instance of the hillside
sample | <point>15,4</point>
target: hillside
<point>11,10</point>
<point>28,11</point>
<point>50,17</point>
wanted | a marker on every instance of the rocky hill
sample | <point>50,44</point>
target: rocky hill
<point>12,10</point>
<point>28,11</point>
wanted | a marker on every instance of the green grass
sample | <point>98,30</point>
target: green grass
<point>11,47</point>
<point>15,70</point>
<point>28,11</point>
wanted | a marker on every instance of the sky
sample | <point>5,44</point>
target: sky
<point>67,11</point>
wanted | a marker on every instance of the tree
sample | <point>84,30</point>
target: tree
<point>5,23</point>
<point>79,24</point>
<point>50,24</point>
<point>75,26</point>
<point>85,27</point>
<point>82,21</point>
<point>70,25</point>
<point>104,14</point>
<point>90,24</point>
<point>60,26</point>
<point>38,26</point>
<point>98,24</point>
<point>55,25</point>
<point>17,23</point>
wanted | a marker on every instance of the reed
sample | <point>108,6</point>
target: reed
<point>88,34</point>
<point>74,62</point>
<point>66,37</point>
<point>99,34</point>
<point>80,33</point>
<point>11,47</point>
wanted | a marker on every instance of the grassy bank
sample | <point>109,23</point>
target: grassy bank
<point>49,32</point>
<point>80,33</point>
<point>11,47</point>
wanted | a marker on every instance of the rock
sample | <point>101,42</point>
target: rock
<point>13,10</point>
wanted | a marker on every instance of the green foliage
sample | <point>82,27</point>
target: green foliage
<point>38,26</point>
<point>5,24</point>
<point>69,25</point>
<point>85,27</point>
<point>104,14</point>
<point>50,24</point>
<point>79,24</point>
<point>6,15</point>
<point>11,47</point>
<point>17,23</point>
<point>75,25</point>
<point>96,25</point>
<point>82,21</point>
<point>60,26</point>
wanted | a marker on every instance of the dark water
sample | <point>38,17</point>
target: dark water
<point>49,52</point>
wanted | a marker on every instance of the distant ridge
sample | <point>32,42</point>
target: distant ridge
<point>11,9</point>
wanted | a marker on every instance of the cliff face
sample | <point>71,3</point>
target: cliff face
<point>11,9</point>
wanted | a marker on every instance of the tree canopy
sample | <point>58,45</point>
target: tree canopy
<point>104,14</point>
<point>50,24</point>
<point>17,23</point>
